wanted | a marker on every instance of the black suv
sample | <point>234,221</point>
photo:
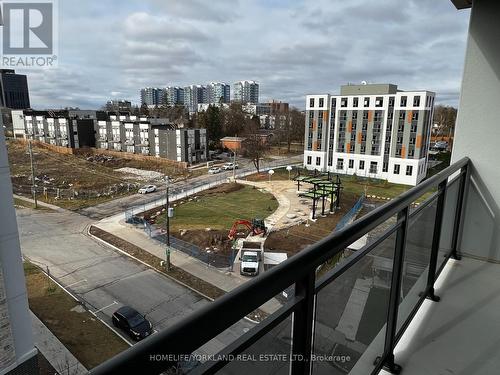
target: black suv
<point>135,324</point>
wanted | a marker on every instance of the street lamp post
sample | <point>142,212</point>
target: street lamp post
<point>167,250</point>
<point>33,182</point>
<point>271,172</point>
<point>234,165</point>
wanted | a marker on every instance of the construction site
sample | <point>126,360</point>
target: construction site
<point>269,219</point>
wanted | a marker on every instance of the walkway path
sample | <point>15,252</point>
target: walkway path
<point>292,209</point>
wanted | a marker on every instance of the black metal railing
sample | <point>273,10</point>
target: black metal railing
<point>412,250</point>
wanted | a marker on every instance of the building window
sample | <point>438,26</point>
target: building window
<point>362,149</point>
<point>318,160</point>
<point>351,148</point>
<point>396,168</point>
<point>379,101</point>
<point>409,170</point>
<point>400,140</point>
<point>416,101</point>
<point>391,101</point>
<point>321,102</point>
<point>367,102</point>
<point>411,152</point>
<point>385,167</point>
<point>311,114</point>
<point>414,116</point>
<point>412,140</point>
<point>340,163</point>
<point>413,128</point>
<point>353,137</point>
<point>404,99</point>
<point>361,164</point>
<point>309,160</point>
<point>343,102</point>
<point>373,167</point>
<point>311,102</point>
<point>355,114</point>
<point>351,163</point>
<point>334,103</point>
<point>402,115</point>
<point>355,102</point>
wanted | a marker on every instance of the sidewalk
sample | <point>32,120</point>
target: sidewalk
<point>222,279</point>
<point>54,351</point>
<point>40,203</point>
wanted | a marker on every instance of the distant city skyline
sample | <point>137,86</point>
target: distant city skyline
<point>302,48</point>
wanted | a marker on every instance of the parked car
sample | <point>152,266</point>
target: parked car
<point>230,166</point>
<point>441,145</point>
<point>214,170</point>
<point>135,324</point>
<point>147,189</point>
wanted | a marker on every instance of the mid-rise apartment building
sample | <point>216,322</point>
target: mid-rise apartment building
<point>65,128</point>
<point>118,106</point>
<point>174,95</point>
<point>14,92</point>
<point>246,92</point>
<point>218,92</point>
<point>152,96</point>
<point>153,137</point>
<point>194,95</point>
<point>372,130</point>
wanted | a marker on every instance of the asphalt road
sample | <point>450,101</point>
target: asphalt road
<point>119,205</point>
<point>105,279</point>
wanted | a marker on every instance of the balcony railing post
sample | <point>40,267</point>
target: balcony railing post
<point>303,319</point>
<point>460,211</point>
<point>395,293</point>
<point>436,238</point>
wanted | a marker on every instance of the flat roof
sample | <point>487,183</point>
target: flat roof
<point>234,139</point>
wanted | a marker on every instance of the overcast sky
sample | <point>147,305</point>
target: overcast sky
<point>110,49</point>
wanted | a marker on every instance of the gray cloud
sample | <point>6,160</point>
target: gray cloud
<point>293,48</point>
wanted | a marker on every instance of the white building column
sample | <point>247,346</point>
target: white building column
<point>16,338</point>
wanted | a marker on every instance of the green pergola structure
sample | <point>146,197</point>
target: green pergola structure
<point>324,185</point>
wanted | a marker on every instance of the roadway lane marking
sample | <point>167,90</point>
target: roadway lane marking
<point>105,307</point>
<point>76,282</point>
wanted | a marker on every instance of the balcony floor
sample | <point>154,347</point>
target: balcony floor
<point>461,333</point>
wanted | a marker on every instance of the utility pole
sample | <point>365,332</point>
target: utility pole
<point>167,251</point>
<point>234,165</point>
<point>33,186</point>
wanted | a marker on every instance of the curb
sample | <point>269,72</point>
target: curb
<point>146,264</point>
<point>80,302</point>
<point>154,269</point>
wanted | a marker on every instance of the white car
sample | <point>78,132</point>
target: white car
<point>229,166</point>
<point>147,189</point>
<point>214,170</point>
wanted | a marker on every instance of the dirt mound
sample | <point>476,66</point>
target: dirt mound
<point>215,239</point>
<point>224,188</point>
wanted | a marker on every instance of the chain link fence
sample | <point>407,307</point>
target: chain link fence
<point>182,190</point>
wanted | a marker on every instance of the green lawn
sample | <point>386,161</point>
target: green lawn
<point>220,210</point>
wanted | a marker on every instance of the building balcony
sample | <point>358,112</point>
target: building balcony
<point>349,318</point>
